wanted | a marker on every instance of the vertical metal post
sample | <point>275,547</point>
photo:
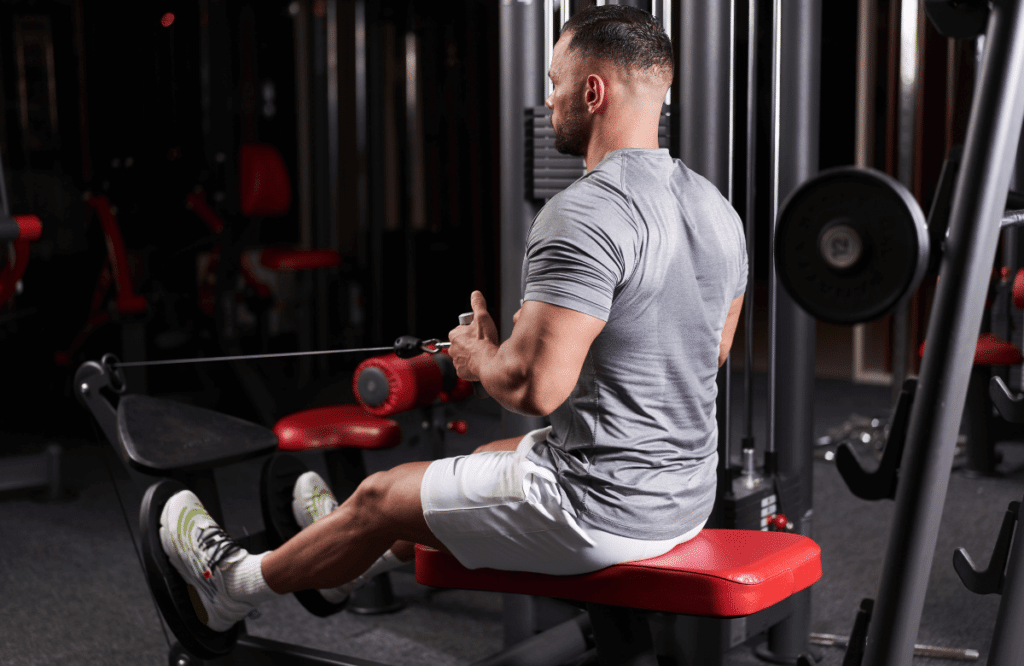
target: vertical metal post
<point>864,137</point>
<point>300,22</point>
<point>993,133</point>
<point>751,228</point>
<point>905,133</point>
<point>864,133</point>
<point>548,42</point>
<point>1007,639</point>
<point>327,234</point>
<point>365,236</point>
<point>798,30</point>
<point>704,90</point>
<point>524,60</point>
<point>373,41</point>
<point>526,38</point>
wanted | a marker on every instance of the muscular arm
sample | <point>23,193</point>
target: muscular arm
<point>729,331</point>
<point>535,370</point>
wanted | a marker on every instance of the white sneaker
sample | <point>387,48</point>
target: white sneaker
<point>201,552</point>
<point>312,499</point>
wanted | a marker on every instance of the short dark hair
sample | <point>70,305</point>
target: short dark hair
<point>628,37</point>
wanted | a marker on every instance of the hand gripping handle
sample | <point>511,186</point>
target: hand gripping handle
<point>465,319</point>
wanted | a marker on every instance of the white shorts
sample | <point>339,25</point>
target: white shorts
<point>502,511</point>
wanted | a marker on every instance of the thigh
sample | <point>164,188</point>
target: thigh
<point>490,511</point>
<point>509,444</point>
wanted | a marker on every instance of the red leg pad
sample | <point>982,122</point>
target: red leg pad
<point>338,426</point>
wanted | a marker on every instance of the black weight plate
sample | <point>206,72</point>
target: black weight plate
<point>276,482</point>
<point>850,244</point>
<point>169,588</point>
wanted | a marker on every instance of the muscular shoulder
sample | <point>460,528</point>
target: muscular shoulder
<point>595,205</point>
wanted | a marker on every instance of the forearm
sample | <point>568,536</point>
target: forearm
<point>536,369</point>
<point>506,376</point>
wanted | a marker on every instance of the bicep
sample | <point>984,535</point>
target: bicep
<point>552,343</point>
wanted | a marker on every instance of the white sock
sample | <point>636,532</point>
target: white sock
<point>244,580</point>
<point>384,563</point>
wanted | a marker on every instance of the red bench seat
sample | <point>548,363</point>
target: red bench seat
<point>718,573</point>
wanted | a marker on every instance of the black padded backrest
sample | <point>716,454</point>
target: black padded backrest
<point>160,437</point>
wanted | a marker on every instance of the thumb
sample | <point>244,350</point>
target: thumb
<point>478,303</point>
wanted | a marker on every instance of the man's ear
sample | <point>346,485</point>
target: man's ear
<point>596,93</point>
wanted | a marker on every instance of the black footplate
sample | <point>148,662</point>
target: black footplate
<point>169,589</point>
<point>276,483</point>
<point>160,437</point>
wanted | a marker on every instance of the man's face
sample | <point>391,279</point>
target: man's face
<point>568,112</point>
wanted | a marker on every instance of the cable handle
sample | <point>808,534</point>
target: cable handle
<point>465,319</point>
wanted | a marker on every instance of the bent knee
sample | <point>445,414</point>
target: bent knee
<point>373,491</point>
<point>394,493</point>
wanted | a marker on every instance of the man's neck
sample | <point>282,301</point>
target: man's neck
<point>616,131</point>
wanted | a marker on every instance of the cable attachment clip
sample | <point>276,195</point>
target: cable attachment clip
<point>408,346</point>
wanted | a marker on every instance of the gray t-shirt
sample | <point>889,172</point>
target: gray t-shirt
<point>654,250</point>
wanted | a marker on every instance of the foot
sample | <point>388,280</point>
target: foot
<point>201,553</point>
<point>312,499</point>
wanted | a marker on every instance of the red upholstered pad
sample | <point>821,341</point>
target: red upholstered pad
<point>298,260</point>
<point>719,573</point>
<point>339,426</point>
<point>411,383</point>
<point>30,227</point>
<point>991,351</point>
<point>264,187</point>
<point>1018,289</point>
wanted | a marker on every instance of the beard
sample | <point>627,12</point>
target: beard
<point>571,135</point>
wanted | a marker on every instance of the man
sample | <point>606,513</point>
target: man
<point>632,287</point>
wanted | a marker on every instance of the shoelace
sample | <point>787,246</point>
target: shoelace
<point>221,547</point>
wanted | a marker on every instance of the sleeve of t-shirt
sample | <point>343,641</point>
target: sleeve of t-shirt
<point>580,250</point>
<point>741,283</point>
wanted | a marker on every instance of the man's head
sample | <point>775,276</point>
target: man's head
<point>607,56</point>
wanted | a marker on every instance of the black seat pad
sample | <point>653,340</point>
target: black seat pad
<point>159,436</point>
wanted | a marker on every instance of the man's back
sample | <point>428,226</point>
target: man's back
<point>655,251</point>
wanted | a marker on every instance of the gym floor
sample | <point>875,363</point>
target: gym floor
<point>72,591</point>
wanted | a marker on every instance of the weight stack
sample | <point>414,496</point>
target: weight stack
<point>548,171</point>
<point>749,506</point>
